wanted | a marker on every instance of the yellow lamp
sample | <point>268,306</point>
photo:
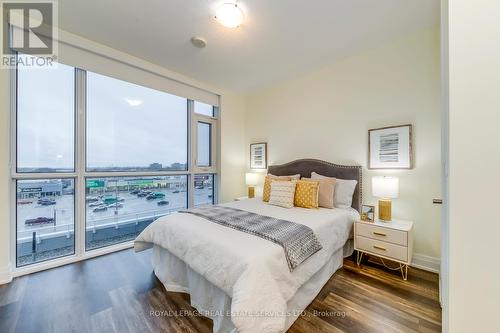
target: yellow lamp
<point>251,179</point>
<point>385,188</point>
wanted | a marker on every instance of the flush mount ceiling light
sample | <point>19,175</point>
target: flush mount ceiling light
<point>199,42</point>
<point>133,102</point>
<point>229,15</point>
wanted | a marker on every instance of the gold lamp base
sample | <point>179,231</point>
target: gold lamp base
<point>251,192</point>
<point>384,209</point>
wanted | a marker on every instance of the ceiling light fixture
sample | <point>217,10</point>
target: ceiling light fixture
<point>133,102</point>
<point>229,15</point>
<point>199,42</point>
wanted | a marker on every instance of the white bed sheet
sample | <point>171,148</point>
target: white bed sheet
<point>243,265</point>
<point>212,302</point>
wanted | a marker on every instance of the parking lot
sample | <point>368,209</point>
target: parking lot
<point>132,207</point>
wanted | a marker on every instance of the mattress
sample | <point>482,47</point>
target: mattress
<point>251,271</point>
<point>212,302</point>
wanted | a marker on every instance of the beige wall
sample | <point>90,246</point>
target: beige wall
<point>474,159</point>
<point>233,157</point>
<point>326,115</point>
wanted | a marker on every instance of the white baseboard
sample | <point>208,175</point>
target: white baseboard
<point>5,274</point>
<point>426,263</point>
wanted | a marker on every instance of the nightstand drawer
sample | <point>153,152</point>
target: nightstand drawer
<point>384,234</point>
<point>382,248</point>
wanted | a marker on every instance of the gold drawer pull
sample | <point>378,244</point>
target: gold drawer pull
<point>379,233</point>
<point>378,248</point>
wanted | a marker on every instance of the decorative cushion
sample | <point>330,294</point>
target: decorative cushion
<point>307,193</point>
<point>344,190</point>
<point>282,193</point>
<point>326,191</point>
<point>267,184</point>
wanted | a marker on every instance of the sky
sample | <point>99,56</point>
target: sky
<point>127,125</point>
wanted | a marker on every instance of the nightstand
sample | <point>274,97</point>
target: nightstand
<point>387,240</point>
<point>240,198</point>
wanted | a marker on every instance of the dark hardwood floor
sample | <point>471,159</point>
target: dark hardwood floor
<point>119,293</point>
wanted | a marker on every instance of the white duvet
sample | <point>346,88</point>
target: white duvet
<point>252,271</point>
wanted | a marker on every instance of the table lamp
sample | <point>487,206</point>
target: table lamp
<point>251,179</point>
<point>385,188</point>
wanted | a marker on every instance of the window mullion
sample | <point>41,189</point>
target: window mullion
<point>191,152</point>
<point>80,104</point>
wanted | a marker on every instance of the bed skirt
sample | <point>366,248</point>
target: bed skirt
<point>215,304</point>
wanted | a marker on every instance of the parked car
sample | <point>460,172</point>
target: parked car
<point>109,200</point>
<point>115,205</point>
<point>134,192</point>
<point>24,202</point>
<point>144,193</point>
<point>46,202</point>
<point>176,191</point>
<point>156,195</point>
<point>40,200</point>
<point>96,204</point>
<point>101,208</point>
<point>91,199</point>
<point>163,203</point>
<point>39,220</point>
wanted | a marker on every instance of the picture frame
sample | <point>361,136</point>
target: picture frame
<point>367,213</point>
<point>258,155</point>
<point>390,147</point>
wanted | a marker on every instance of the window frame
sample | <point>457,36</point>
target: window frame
<point>80,173</point>
<point>75,115</point>
<point>155,173</point>
<point>213,122</point>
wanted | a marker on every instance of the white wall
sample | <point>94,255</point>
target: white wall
<point>4,177</point>
<point>474,159</point>
<point>232,153</point>
<point>326,115</point>
<point>233,157</point>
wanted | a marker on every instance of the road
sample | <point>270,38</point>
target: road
<point>133,207</point>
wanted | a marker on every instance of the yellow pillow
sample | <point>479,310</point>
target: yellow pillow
<point>266,192</point>
<point>307,194</point>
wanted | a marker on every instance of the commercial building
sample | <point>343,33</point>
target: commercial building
<point>38,189</point>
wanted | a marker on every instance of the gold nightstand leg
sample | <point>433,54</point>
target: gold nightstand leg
<point>404,272</point>
<point>359,256</point>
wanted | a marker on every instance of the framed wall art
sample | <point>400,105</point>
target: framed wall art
<point>390,147</point>
<point>258,155</point>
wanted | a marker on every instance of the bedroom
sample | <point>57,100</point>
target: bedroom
<point>92,164</point>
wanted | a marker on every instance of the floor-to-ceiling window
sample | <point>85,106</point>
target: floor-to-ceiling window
<point>97,159</point>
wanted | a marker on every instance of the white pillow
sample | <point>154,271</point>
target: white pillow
<point>282,193</point>
<point>344,190</point>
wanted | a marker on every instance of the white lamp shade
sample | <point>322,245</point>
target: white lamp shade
<point>251,179</point>
<point>385,187</point>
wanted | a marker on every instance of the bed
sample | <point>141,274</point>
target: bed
<point>243,282</point>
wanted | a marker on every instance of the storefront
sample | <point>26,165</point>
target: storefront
<point>26,190</point>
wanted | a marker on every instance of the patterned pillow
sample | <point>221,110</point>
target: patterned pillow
<point>282,193</point>
<point>326,191</point>
<point>307,194</point>
<point>267,184</point>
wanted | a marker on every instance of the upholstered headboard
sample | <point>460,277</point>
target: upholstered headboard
<point>305,167</point>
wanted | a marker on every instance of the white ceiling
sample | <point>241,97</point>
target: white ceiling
<point>278,39</point>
